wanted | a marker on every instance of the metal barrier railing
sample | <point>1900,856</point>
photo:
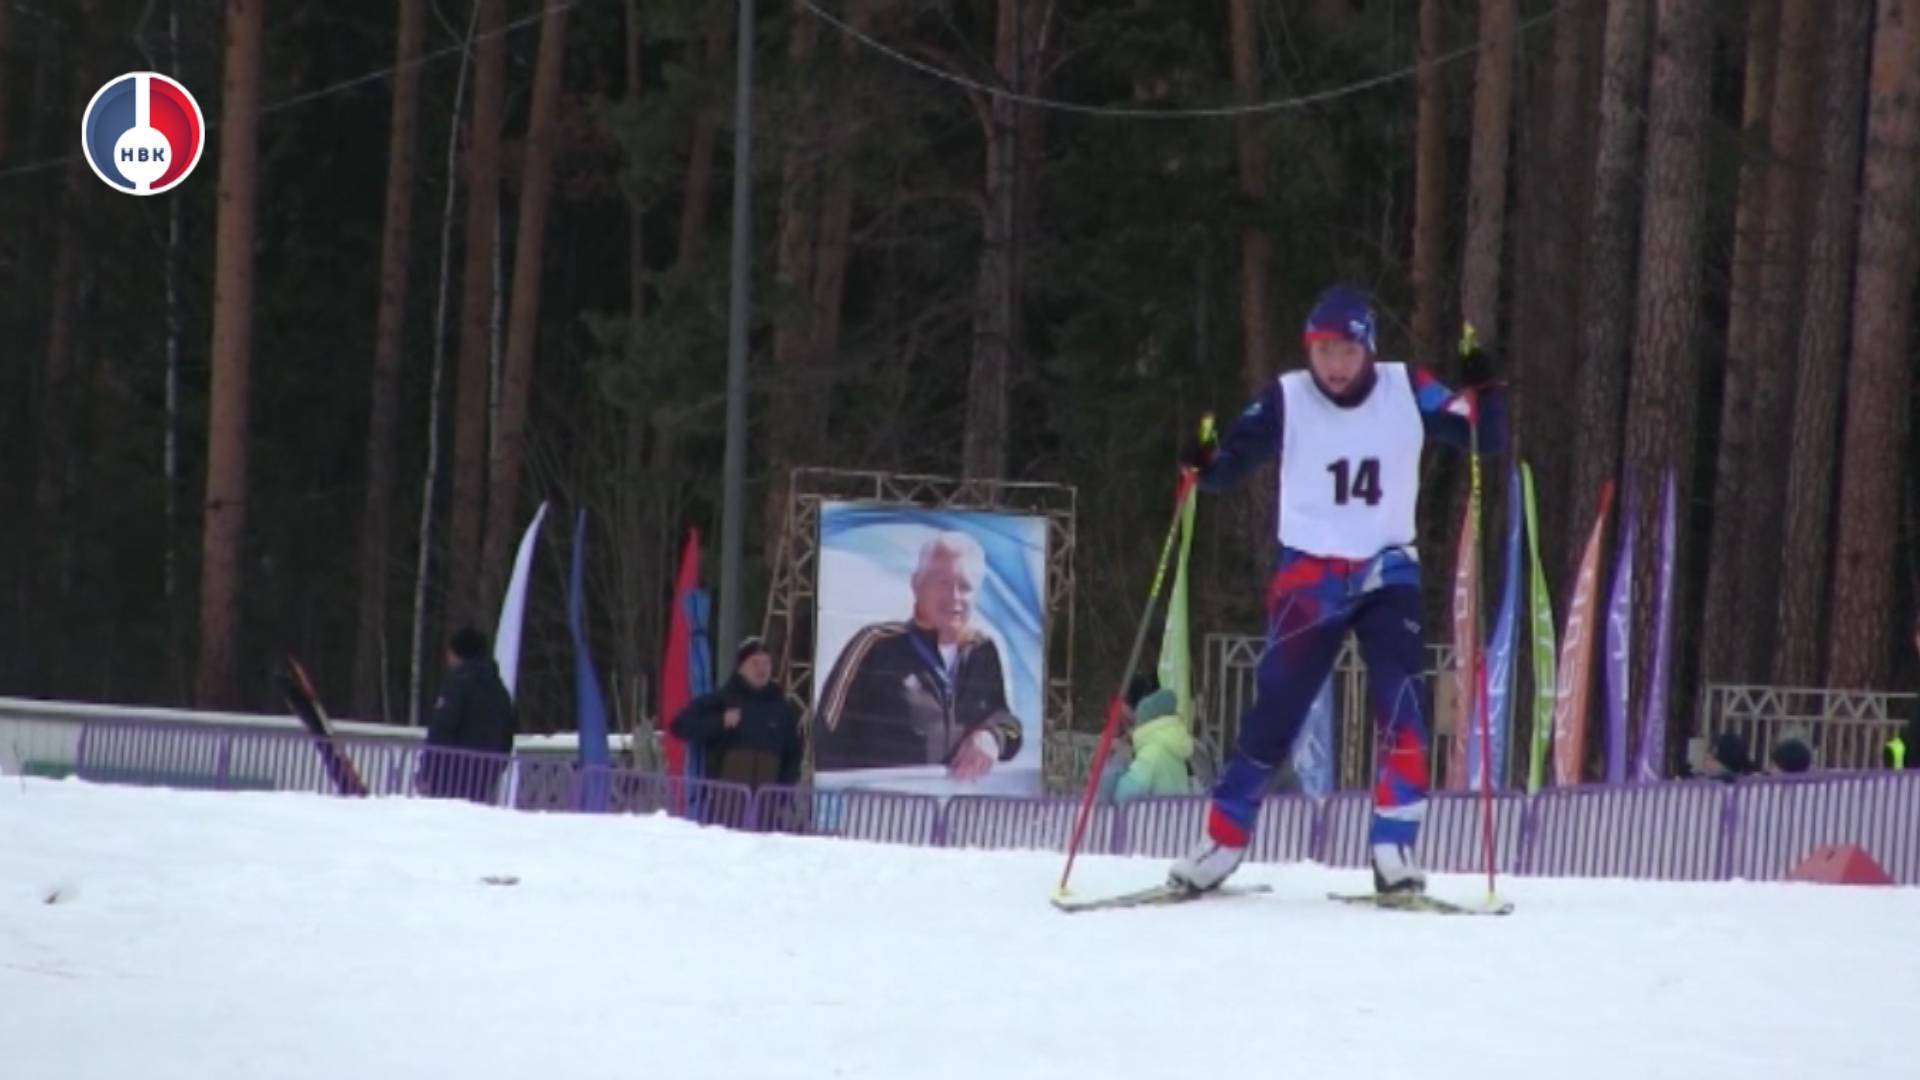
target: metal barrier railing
<point>1695,830</point>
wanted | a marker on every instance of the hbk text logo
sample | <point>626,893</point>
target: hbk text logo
<point>143,133</point>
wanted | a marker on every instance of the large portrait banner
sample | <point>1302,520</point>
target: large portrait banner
<point>931,625</point>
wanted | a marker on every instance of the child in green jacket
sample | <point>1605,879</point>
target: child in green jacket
<point>1162,746</point>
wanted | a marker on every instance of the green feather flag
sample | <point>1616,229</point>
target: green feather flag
<point>1545,676</point>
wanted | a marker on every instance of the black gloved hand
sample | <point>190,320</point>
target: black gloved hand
<point>1200,456</point>
<point>1476,362</point>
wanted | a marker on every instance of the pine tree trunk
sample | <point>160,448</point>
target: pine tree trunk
<point>176,619</point>
<point>1608,275</point>
<point>1257,353</point>
<point>1795,144</point>
<point>430,480</point>
<point>396,242</point>
<point>470,435</point>
<point>6,72</point>
<point>1662,394</point>
<point>1734,458</point>
<point>1880,373</point>
<point>1822,337</point>
<point>1430,186</point>
<point>1252,526</point>
<point>523,326</point>
<point>1487,170</point>
<point>1556,208</point>
<point>996,298</point>
<point>214,683</point>
<point>699,186</point>
<point>833,246</point>
<point>55,411</point>
<point>636,206</point>
<point>793,426</point>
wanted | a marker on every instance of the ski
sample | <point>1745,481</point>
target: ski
<point>1155,896</point>
<point>1422,902</point>
<point>297,688</point>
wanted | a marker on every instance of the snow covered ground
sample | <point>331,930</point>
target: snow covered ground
<point>292,937</point>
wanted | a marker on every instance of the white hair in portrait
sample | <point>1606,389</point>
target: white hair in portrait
<point>957,546</point>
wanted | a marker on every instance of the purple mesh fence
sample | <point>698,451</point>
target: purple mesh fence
<point>1778,822</point>
<point>978,821</point>
<point>878,816</point>
<point>296,761</point>
<point>1284,830</point>
<point>160,755</point>
<point>1670,832</point>
<point>543,784</point>
<point>1343,829</point>
<point>1453,839</point>
<point>704,802</point>
<point>1163,827</point>
<point>1676,831</point>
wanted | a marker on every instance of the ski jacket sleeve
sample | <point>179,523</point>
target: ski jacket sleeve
<point>982,705</point>
<point>702,720</point>
<point>1253,438</point>
<point>450,710</point>
<point>1445,412</point>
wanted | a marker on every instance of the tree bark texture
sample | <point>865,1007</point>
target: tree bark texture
<point>214,683</point>
<point>1823,330</point>
<point>396,240</point>
<point>1430,186</point>
<point>523,319</point>
<point>471,381</point>
<point>1487,170</point>
<point>1734,460</point>
<point>1879,378</point>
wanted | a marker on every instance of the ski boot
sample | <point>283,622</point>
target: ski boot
<point>1206,866</point>
<point>1394,870</point>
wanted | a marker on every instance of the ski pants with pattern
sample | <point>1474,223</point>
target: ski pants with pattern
<point>1312,603</point>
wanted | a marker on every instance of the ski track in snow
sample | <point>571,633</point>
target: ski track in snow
<point>285,936</point>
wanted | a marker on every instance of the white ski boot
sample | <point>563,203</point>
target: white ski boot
<point>1206,866</point>
<point>1394,870</point>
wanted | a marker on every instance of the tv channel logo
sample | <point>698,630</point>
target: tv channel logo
<point>143,133</point>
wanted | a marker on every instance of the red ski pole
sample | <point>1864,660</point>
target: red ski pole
<point>1183,492</point>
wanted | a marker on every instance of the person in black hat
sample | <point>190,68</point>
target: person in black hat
<point>746,731</point>
<point>1792,754</point>
<point>471,731</point>
<point>1727,758</point>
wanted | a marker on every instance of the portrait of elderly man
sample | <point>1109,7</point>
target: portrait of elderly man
<point>929,690</point>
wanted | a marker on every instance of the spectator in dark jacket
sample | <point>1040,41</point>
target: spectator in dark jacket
<point>472,729</point>
<point>746,731</point>
<point>1727,758</point>
<point>1792,754</point>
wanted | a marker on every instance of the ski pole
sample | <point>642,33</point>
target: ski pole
<point>1184,491</point>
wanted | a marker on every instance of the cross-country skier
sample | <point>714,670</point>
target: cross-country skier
<point>1348,432</point>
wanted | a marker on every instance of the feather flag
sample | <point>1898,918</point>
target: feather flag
<point>1543,644</point>
<point>589,707</point>
<point>1313,750</point>
<point>1620,645</point>
<point>513,609</point>
<point>1653,718</point>
<point>1501,651</point>
<point>1576,656</point>
<point>1466,646</point>
<point>678,671</point>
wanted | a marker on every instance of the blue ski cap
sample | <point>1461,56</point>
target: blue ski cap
<point>1343,313</point>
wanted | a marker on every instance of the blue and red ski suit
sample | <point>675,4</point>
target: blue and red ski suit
<point>1312,603</point>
